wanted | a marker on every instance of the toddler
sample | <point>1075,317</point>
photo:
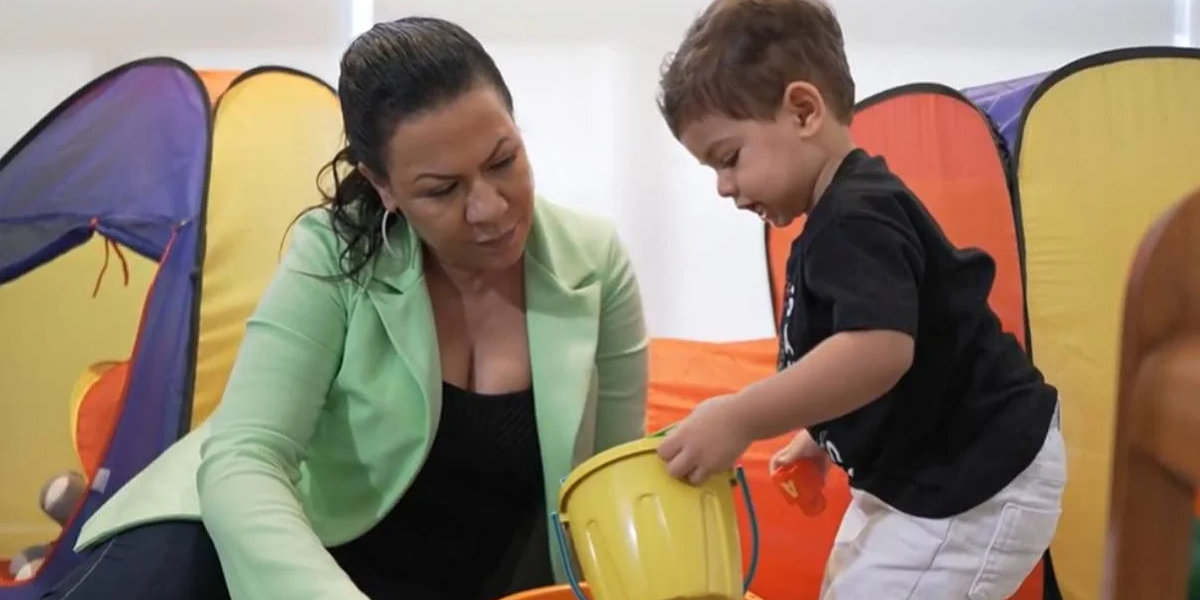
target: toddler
<point>891,363</point>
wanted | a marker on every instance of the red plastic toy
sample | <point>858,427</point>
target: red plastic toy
<point>802,483</point>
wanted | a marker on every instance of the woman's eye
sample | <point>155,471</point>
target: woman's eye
<point>443,191</point>
<point>504,163</point>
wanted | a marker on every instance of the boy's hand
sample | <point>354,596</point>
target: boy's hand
<point>802,447</point>
<point>707,441</point>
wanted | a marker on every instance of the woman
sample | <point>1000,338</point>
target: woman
<point>436,352</point>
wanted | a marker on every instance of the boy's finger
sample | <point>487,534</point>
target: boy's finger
<point>822,464</point>
<point>669,447</point>
<point>680,467</point>
<point>782,459</point>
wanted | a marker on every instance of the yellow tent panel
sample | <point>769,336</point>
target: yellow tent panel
<point>273,130</point>
<point>1107,144</point>
<point>43,354</point>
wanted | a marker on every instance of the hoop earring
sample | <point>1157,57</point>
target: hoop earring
<point>384,232</point>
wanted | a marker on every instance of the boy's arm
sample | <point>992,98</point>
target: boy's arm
<point>838,376</point>
<point>869,269</point>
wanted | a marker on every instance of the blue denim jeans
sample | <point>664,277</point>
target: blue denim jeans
<point>176,560</point>
<point>173,560</point>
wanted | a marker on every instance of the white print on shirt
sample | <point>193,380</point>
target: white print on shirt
<point>788,308</point>
<point>830,448</point>
<point>786,351</point>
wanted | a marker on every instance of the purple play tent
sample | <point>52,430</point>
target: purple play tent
<point>1005,102</point>
<point>126,157</point>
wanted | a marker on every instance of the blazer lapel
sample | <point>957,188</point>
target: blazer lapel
<point>562,326</point>
<point>396,289</point>
<point>562,308</point>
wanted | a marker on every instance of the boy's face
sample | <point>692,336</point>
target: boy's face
<point>768,167</point>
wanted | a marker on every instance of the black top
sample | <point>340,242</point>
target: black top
<point>480,484</point>
<point>972,411</point>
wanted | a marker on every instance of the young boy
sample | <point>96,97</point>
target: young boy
<point>891,362</point>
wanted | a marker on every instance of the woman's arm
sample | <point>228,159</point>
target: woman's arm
<point>261,430</point>
<point>622,360</point>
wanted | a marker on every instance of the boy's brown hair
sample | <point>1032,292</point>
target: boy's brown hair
<point>737,58</point>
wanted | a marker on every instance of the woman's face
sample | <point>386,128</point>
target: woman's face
<point>460,176</point>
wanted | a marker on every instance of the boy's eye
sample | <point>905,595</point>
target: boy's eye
<point>730,160</point>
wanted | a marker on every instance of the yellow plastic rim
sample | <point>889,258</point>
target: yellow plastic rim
<point>601,460</point>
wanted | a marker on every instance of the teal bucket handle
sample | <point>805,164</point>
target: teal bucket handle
<point>739,474</point>
<point>662,432</point>
<point>560,534</point>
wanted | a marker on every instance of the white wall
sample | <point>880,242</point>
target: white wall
<point>584,77</point>
<point>1187,22</point>
<point>50,48</point>
<point>30,92</point>
<point>599,144</point>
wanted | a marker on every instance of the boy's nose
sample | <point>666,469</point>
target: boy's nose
<point>726,187</point>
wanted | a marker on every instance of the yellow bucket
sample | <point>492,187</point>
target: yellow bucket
<point>641,534</point>
<point>565,592</point>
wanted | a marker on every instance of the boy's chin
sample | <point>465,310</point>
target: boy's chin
<point>783,222</point>
<point>776,220</point>
<point>785,216</point>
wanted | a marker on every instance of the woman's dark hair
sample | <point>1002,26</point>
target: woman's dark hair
<point>391,73</point>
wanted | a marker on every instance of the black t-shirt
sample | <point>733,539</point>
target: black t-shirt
<point>972,411</point>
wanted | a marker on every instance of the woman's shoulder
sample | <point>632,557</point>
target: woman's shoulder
<point>567,229</point>
<point>312,243</point>
<point>313,226</point>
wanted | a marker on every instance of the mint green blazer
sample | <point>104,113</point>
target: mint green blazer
<point>334,399</point>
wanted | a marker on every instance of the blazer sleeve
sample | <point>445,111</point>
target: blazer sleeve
<point>622,355</point>
<point>261,430</point>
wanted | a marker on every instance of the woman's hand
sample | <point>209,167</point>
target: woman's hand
<point>802,447</point>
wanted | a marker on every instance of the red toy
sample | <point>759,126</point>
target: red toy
<point>802,483</point>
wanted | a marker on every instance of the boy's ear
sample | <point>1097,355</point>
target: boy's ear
<point>803,106</point>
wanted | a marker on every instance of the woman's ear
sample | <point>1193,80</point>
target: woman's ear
<point>381,186</point>
<point>803,106</point>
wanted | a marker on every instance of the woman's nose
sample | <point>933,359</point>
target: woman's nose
<point>485,204</point>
